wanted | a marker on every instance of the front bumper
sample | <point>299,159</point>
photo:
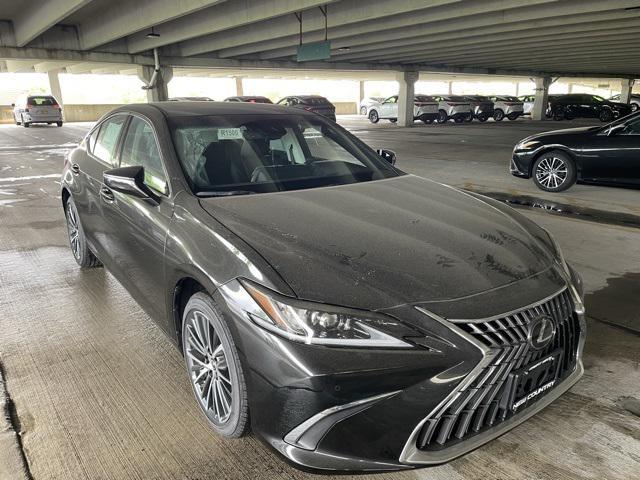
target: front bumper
<point>521,161</point>
<point>349,409</point>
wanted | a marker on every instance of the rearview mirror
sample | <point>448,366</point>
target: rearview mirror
<point>616,129</point>
<point>130,181</point>
<point>388,155</point>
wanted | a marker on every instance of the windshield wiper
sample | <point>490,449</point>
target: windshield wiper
<point>223,193</point>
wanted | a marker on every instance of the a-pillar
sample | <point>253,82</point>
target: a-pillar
<point>54,86</point>
<point>159,91</point>
<point>239,87</point>
<point>407,81</point>
<point>541,100</point>
<point>626,85</point>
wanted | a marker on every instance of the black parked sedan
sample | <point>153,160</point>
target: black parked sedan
<point>557,159</point>
<point>583,105</point>
<point>311,103</point>
<point>355,317</point>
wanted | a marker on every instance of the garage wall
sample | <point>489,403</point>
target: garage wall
<point>91,113</point>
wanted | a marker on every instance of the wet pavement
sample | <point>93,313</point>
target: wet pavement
<point>97,391</point>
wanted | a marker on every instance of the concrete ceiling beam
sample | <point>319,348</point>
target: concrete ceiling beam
<point>38,17</point>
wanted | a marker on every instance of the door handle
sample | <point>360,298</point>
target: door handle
<point>75,168</point>
<point>107,194</point>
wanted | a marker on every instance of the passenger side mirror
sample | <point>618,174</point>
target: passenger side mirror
<point>13,104</point>
<point>130,181</point>
<point>388,155</point>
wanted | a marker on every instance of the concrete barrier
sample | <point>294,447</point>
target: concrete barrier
<point>91,113</point>
<point>72,113</point>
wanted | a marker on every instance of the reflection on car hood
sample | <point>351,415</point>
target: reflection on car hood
<point>377,244</point>
<point>564,131</point>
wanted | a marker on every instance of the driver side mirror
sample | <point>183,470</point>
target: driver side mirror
<point>130,181</point>
<point>388,155</point>
<point>616,129</point>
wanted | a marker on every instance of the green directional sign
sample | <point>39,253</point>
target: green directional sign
<point>314,51</point>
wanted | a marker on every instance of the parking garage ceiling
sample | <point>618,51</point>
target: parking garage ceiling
<point>527,37</point>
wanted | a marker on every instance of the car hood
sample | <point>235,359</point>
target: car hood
<point>562,132</point>
<point>378,244</point>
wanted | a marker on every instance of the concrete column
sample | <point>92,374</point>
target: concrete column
<point>450,92</point>
<point>361,97</point>
<point>239,87</point>
<point>571,88</point>
<point>517,89</point>
<point>54,87</point>
<point>626,85</point>
<point>159,92</point>
<point>541,99</point>
<point>407,81</point>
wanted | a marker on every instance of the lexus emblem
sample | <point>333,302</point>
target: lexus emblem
<point>541,332</point>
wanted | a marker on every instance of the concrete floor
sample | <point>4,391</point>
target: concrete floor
<point>97,391</point>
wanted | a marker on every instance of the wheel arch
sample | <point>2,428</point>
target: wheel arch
<point>183,289</point>
<point>65,194</point>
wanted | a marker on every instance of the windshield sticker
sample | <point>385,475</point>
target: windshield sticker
<point>230,134</point>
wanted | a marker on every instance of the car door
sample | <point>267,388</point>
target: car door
<point>389,108</point>
<point>137,228</point>
<point>613,156</point>
<point>88,167</point>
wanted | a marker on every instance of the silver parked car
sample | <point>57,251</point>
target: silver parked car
<point>527,103</point>
<point>634,102</point>
<point>425,108</point>
<point>507,106</point>
<point>481,108</point>
<point>37,109</point>
<point>368,102</point>
<point>454,107</point>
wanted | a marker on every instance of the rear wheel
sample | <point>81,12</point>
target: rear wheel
<point>634,107</point>
<point>483,118</point>
<point>426,120</point>
<point>214,367</point>
<point>498,115</point>
<point>554,172</point>
<point>458,119</point>
<point>363,110</point>
<point>606,115</point>
<point>469,118</point>
<point>442,116</point>
<point>59,124</point>
<point>393,120</point>
<point>373,116</point>
<point>513,116</point>
<point>558,115</point>
<point>77,240</point>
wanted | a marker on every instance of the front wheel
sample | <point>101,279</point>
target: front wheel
<point>498,115</point>
<point>606,115</point>
<point>373,116</point>
<point>513,116</point>
<point>442,116</point>
<point>554,172</point>
<point>363,110</point>
<point>458,119</point>
<point>558,115</point>
<point>77,240</point>
<point>214,367</point>
<point>634,107</point>
<point>469,118</point>
<point>426,120</point>
<point>483,118</point>
<point>59,124</point>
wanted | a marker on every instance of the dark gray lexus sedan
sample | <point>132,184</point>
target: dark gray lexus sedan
<point>355,317</point>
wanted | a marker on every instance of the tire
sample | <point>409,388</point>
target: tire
<point>426,120</point>
<point>459,119</point>
<point>59,124</point>
<point>498,115</point>
<point>207,340</point>
<point>558,115</point>
<point>393,120</point>
<point>363,110</point>
<point>469,118</point>
<point>634,107</point>
<point>554,171</point>
<point>513,116</point>
<point>483,118</point>
<point>373,116</point>
<point>442,116</point>
<point>606,115</point>
<point>77,240</point>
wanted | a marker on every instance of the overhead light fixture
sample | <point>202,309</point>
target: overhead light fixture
<point>152,34</point>
<point>344,49</point>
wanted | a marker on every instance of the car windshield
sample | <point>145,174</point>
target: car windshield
<point>245,154</point>
<point>315,100</point>
<point>597,98</point>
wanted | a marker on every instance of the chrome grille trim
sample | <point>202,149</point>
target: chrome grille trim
<point>468,393</point>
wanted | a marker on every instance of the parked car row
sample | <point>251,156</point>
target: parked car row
<point>442,108</point>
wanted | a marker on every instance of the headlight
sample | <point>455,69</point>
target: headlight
<point>528,145</point>
<point>320,324</point>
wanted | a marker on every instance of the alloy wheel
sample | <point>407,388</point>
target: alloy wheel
<point>551,172</point>
<point>208,368</point>
<point>73,229</point>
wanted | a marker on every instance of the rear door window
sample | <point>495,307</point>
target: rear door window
<point>107,139</point>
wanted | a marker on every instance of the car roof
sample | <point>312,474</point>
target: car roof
<point>186,109</point>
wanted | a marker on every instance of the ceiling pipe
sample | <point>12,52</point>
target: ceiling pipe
<point>156,70</point>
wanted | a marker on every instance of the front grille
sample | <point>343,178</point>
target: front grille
<point>485,401</point>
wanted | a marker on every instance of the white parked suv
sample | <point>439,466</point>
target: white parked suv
<point>368,102</point>
<point>507,106</point>
<point>425,108</point>
<point>454,107</point>
<point>37,109</point>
